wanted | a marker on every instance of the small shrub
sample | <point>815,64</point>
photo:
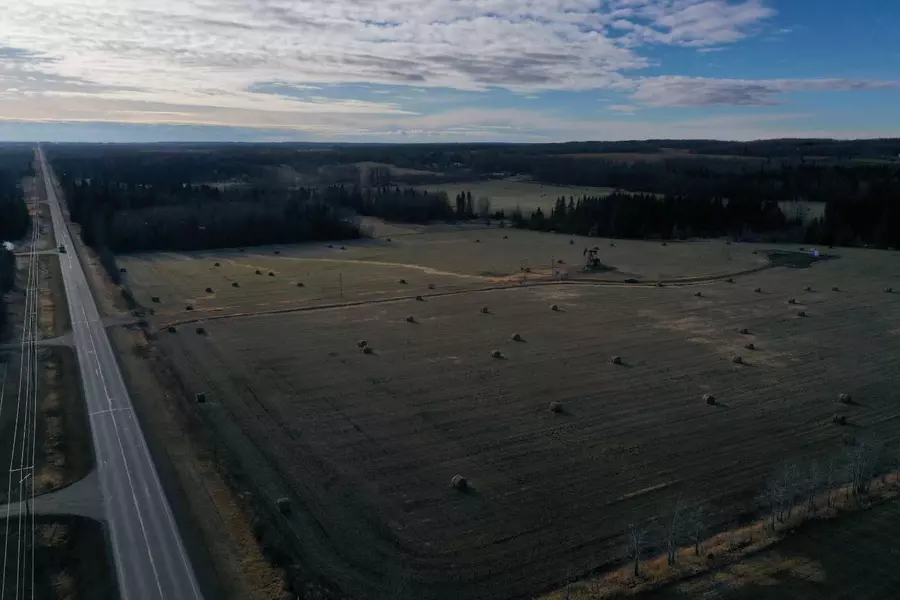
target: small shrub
<point>554,307</point>
<point>848,439</point>
<point>616,360</point>
<point>485,310</point>
<point>728,243</point>
<point>660,284</point>
<point>123,270</point>
<point>430,286</point>
<point>278,252</point>
<point>845,398</point>
<point>410,319</point>
<point>611,245</point>
<point>528,269</point>
<point>497,354</point>
<point>343,248</point>
<point>331,245</point>
<point>792,301</point>
<point>516,337</point>
<point>171,328</point>
<point>744,331</point>
<point>801,313</point>
<point>155,299</point>
<point>299,284</point>
<point>367,350</point>
<point>709,399</point>
<point>201,331</point>
<point>737,360</point>
<point>209,290</point>
<point>362,344</point>
<point>888,290</point>
<point>730,280</point>
<point>839,419</point>
<point>420,299</point>
<point>571,242</point>
<point>807,288</point>
<point>556,407</point>
<point>750,346</point>
<point>235,284</point>
<point>459,483</point>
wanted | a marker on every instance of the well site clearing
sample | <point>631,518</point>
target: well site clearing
<point>363,444</point>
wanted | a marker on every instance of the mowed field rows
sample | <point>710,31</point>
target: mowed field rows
<point>365,445</point>
<point>365,270</point>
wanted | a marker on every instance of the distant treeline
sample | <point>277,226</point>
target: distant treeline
<point>15,165</point>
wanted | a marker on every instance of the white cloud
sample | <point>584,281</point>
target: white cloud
<point>676,91</point>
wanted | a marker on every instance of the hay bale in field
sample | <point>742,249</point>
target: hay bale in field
<point>123,270</point>
<point>616,360</point>
<point>744,331</point>
<point>368,350</point>
<point>665,244</point>
<point>801,313</point>
<point>235,284</point>
<point>571,242</point>
<point>729,280</point>
<point>792,301</point>
<point>201,331</point>
<point>728,243</point>
<point>331,245</point>
<point>497,354</point>
<point>611,245</point>
<point>698,294</point>
<point>459,483</point>
<point>554,307</point>
<point>839,419</point>
<point>660,284</point>
<point>505,237</point>
<point>560,262</point>
<point>155,299</point>
<point>258,272</point>
<point>284,505</point>
<point>477,241</point>
<point>516,337</point>
<point>271,274</point>
<point>299,284</point>
<point>209,290</point>
<point>528,269</point>
<point>758,290</point>
<point>430,286</point>
<point>218,265</point>
<point>888,290</point>
<point>485,310</point>
<point>171,328</point>
<point>845,398</point>
<point>807,288</point>
<point>835,289</point>
<point>750,346</point>
<point>420,299</point>
<point>343,248</point>
<point>410,319</point>
<point>387,239</point>
<point>201,397</point>
<point>737,359</point>
<point>709,399</point>
<point>556,407</point>
<point>188,307</point>
<point>362,344</point>
<point>278,252</point>
<point>401,281</point>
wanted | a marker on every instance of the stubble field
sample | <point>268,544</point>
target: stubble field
<point>511,193</point>
<point>365,445</point>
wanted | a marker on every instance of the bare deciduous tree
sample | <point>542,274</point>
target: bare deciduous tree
<point>637,538</point>
<point>695,524</point>
<point>811,483</point>
<point>772,497</point>
<point>674,525</point>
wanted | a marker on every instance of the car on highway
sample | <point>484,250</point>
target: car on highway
<point>62,249</point>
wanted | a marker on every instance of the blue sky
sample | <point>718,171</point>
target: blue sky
<point>447,70</point>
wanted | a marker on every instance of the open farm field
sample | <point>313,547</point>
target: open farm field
<point>447,258</point>
<point>853,557</point>
<point>364,445</point>
<point>507,194</point>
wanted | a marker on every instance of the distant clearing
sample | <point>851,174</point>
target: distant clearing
<point>507,194</point>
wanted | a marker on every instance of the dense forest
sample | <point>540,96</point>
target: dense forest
<point>15,165</point>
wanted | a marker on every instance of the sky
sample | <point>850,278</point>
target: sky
<point>447,70</point>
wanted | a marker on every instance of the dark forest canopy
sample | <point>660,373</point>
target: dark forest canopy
<point>15,165</point>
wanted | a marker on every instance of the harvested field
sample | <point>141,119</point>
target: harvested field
<point>364,446</point>
<point>507,194</point>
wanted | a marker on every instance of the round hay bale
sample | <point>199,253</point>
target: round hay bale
<point>665,244</point>
<point>477,241</point>
<point>744,331</point>
<point>560,262</point>
<point>709,399</point>
<point>201,397</point>
<point>792,301</point>
<point>387,239</point>
<point>698,294</point>
<point>528,269</point>
<point>284,505</point>
<point>271,274</point>
<point>420,299</point>
<point>497,354</point>
<point>367,350</point>
<point>343,248</point>
<point>737,360</point>
<point>616,360</point>
<point>235,284</point>
<point>750,346</point>
<point>201,331</point>
<point>845,398</point>
<point>218,265</point>
<point>807,288</point>
<point>611,245</point>
<point>505,237</point>
<point>155,299</point>
<point>888,290</point>
<point>556,407</point>
<point>728,243</point>
<point>485,310</point>
<point>554,307</point>
<point>331,245</point>
<point>362,344</point>
<point>801,313</point>
<point>188,307</point>
<point>171,328</point>
<point>730,280</point>
<point>835,289</point>
<point>299,284</point>
<point>209,290</point>
<point>459,483</point>
<point>516,337</point>
<point>571,242</point>
<point>410,319</point>
<point>258,272</point>
<point>278,252</point>
<point>758,290</point>
<point>401,281</point>
<point>660,284</point>
<point>430,286</point>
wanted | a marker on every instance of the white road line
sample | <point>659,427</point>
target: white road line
<point>109,410</point>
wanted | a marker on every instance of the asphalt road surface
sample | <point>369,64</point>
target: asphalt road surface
<point>150,559</point>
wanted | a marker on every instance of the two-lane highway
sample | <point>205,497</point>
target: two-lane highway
<point>150,559</point>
